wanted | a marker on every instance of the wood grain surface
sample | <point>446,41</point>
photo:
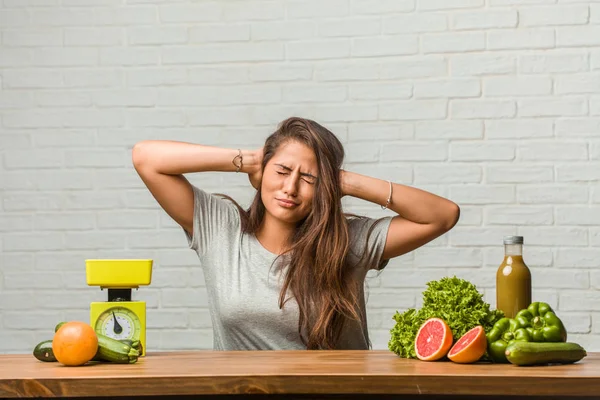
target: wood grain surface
<point>297,373</point>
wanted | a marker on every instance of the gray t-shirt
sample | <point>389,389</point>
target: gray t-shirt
<point>243,282</point>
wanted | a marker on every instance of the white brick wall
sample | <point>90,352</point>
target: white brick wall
<point>495,104</point>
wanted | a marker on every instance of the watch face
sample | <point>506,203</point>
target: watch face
<point>119,323</point>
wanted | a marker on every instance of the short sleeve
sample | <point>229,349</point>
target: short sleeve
<point>214,219</point>
<point>367,241</point>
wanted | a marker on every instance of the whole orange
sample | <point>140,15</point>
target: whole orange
<point>75,343</point>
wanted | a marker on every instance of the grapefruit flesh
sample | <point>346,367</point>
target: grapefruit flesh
<point>470,347</point>
<point>433,340</point>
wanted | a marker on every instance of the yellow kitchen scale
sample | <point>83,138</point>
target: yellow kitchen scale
<point>119,317</point>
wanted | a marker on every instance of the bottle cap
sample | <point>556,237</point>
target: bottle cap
<point>513,239</point>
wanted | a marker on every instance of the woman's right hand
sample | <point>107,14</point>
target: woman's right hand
<point>253,167</point>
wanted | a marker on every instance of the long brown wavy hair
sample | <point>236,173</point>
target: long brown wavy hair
<point>316,275</point>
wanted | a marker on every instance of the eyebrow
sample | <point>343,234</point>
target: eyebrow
<point>301,173</point>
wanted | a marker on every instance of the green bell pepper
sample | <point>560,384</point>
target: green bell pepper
<point>504,332</point>
<point>542,323</point>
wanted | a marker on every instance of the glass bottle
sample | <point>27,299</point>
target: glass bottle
<point>513,279</point>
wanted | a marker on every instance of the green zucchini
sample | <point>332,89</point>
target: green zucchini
<point>116,351</point>
<point>57,327</point>
<point>43,351</point>
<point>539,353</point>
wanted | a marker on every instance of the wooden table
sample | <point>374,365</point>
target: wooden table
<point>296,375</point>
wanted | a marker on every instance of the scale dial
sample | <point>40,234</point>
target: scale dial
<point>119,323</point>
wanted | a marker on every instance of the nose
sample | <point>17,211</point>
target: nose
<point>290,185</point>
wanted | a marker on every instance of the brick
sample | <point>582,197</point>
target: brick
<point>151,240</point>
<point>66,57</point>
<point>423,67</point>
<point>16,261</point>
<point>447,258</point>
<point>174,298</point>
<point>549,107</point>
<point>164,35</point>
<point>577,258</point>
<point>167,319</point>
<point>473,237</point>
<point>16,141</point>
<point>595,281</point>
<point>577,173</point>
<point>518,87</point>
<point>502,3</point>
<point>580,83</point>
<point>485,20</point>
<point>362,152</point>
<point>381,6</point>
<point>554,15</point>
<point>125,16</point>
<point>17,222</point>
<point>415,23</point>
<point>276,73</point>
<point>414,151</point>
<point>215,116</point>
<point>518,129</point>
<point>578,215</point>
<point>317,9</point>
<point>452,43</point>
<point>156,76</point>
<point>554,236</point>
<point>413,110</point>
<point>230,52</point>
<point>339,113</point>
<point>32,320</point>
<point>60,261</point>
<point>15,99</point>
<point>476,109</point>
<point>128,57</point>
<point>577,36</point>
<point>482,194</point>
<point>449,129</point>
<point>16,300</point>
<point>447,88</point>
<point>95,240</point>
<point>557,194</point>
<point>17,57</point>
<point>96,36</point>
<point>594,237</point>
<point>595,106</point>
<point>187,339</point>
<point>318,49</point>
<point>28,3</point>
<point>595,13</point>
<point>447,174</point>
<point>368,131</point>
<point>577,127</point>
<point>576,322</point>
<point>34,79</point>
<point>520,39</point>
<point>579,301</point>
<point>93,78</point>
<point>127,220</point>
<point>204,12</point>
<point>519,215</point>
<point>288,30</point>
<point>125,98</point>
<point>252,10</point>
<point>68,221</point>
<point>379,298</point>
<point>33,280</point>
<point>595,151</point>
<point>314,93</point>
<point>212,76</point>
<point>385,46</point>
<point>63,99</point>
<point>470,216</point>
<point>349,27</point>
<point>14,18</point>
<point>435,5</point>
<point>521,174</point>
<point>550,151</point>
<point>482,64</point>
<point>171,277</point>
<point>32,202</point>
<point>200,319</point>
<point>31,159</point>
<point>553,62</point>
<point>143,118</point>
<point>32,37</point>
<point>595,194</point>
<point>33,242</point>
<point>375,91</point>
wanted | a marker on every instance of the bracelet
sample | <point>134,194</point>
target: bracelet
<point>238,167</point>
<point>389,200</point>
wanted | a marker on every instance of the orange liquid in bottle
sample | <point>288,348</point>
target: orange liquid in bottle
<point>513,279</point>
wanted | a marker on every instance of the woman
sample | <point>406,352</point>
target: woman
<point>288,273</point>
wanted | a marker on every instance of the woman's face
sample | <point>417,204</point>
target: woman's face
<point>288,182</point>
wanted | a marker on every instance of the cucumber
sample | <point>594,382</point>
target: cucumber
<point>116,351</point>
<point>539,353</point>
<point>43,351</point>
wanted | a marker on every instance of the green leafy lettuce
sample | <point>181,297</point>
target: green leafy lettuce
<point>454,300</point>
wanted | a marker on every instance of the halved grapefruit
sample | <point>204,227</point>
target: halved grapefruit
<point>470,347</point>
<point>433,340</point>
